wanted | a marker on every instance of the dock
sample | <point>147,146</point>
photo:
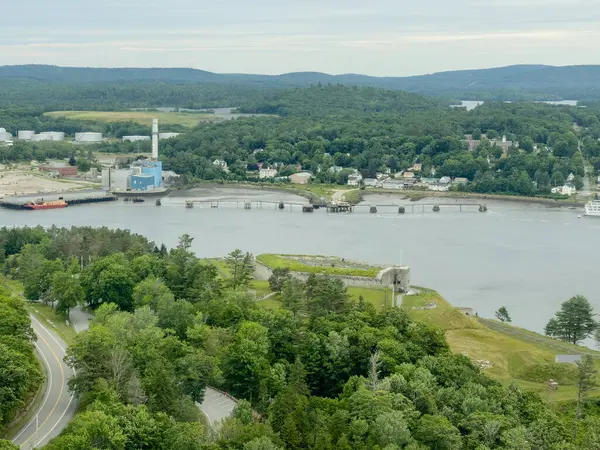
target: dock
<point>71,198</point>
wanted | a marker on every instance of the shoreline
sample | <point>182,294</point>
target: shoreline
<point>412,195</point>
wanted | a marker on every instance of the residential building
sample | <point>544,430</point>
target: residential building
<point>417,167</point>
<point>460,180</point>
<point>439,187</point>
<point>221,164</point>
<point>570,178</point>
<point>370,182</point>
<point>354,179</point>
<point>567,189</point>
<point>408,174</point>
<point>267,173</point>
<point>393,184</point>
<point>429,180</point>
<point>300,178</point>
<point>445,180</point>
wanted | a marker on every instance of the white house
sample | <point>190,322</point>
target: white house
<point>354,179</point>
<point>393,184</point>
<point>439,187</point>
<point>570,178</point>
<point>221,164</point>
<point>567,189</point>
<point>370,182</point>
<point>267,173</point>
<point>445,180</point>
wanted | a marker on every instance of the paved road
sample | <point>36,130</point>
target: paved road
<point>58,405</point>
<point>79,319</point>
<point>217,406</point>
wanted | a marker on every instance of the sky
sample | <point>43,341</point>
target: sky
<point>374,37</point>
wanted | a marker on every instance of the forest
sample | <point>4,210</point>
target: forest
<point>368,129</point>
<point>323,372</point>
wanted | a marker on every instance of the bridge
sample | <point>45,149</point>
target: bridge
<point>335,207</point>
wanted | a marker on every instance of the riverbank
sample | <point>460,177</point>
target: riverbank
<point>333,192</point>
<point>356,196</point>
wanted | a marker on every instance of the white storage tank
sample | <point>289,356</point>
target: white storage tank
<point>88,137</point>
<point>135,138</point>
<point>167,135</point>
<point>25,135</point>
<point>5,136</point>
<point>51,136</point>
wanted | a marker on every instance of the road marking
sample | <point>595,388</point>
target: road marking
<point>62,386</point>
<point>48,389</point>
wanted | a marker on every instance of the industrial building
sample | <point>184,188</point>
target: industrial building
<point>135,138</point>
<point>88,137</point>
<point>61,168</point>
<point>142,176</point>
<point>167,135</point>
<point>5,137</point>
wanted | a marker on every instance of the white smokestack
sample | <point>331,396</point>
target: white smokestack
<point>154,139</point>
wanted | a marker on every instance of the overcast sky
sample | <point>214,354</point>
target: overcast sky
<point>375,37</point>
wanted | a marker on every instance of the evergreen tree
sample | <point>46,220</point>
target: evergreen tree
<point>574,322</point>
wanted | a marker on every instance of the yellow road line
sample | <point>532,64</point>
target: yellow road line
<point>62,375</point>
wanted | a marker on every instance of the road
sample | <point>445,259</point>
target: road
<point>58,405</point>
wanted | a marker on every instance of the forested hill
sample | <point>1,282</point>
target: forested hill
<point>533,82</point>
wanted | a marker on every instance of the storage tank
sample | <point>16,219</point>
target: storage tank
<point>25,135</point>
<point>4,135</point>
<point>135,138</point>
<point>167,135</point>
<point>88,137</point>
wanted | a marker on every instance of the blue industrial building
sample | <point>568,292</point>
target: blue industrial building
<point>150,178</point>
<point>142,182</point>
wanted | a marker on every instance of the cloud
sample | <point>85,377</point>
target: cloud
<point>381,37</point>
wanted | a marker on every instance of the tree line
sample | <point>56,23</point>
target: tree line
<point>323,372</point>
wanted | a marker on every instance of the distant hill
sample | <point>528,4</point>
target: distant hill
<point>533,82</point>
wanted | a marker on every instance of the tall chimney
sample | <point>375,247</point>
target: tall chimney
<point>154,139</point>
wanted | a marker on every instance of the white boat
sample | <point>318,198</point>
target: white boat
<point>592,208</point>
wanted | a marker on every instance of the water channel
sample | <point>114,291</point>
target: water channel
<point>527,257</point>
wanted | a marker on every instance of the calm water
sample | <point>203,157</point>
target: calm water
<point>527,257</point>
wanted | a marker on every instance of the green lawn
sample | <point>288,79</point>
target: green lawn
<point>379,298</point>
<point>271,303</point>
<point>261,287</point>
<point>512,351</point>
<point>221,266</point>
<point>284,261</point>
<point>141,117</point>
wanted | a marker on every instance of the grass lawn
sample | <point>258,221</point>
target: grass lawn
<point>509,349</point>
<point>286,261</point>
<point>221,266</point>
<point>44,314</point>
<point>141,117</point>
<point>261,287</point>
<point>271,303</point>
<point>379,298</point>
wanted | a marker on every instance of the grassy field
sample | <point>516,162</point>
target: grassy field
<point>518,356</point>
<point>379,298</point>
<point>283,261</point>
<point>141,117</point>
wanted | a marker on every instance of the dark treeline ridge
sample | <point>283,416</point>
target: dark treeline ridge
<point>324,372</point>
<point>521,82</point>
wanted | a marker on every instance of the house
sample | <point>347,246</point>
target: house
<point>570,178</point>
<point>300,178</point>
<point>566,189</point>
<point>370,182</point>
<point>221,164</point>
<point>427,181</point>
<point>354,179</point>
<point>408,174</point>
<point>439,187</point>
<point>445,180</point>
<point>460,180</point>
<point>267,173</point>
<point>417,167</point>
<point>393,184</point>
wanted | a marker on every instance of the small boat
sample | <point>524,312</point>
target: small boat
<point>40,204</point>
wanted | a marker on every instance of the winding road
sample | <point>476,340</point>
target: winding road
<point>58,405</point>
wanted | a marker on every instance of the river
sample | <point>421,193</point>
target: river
<point>527,257</point>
